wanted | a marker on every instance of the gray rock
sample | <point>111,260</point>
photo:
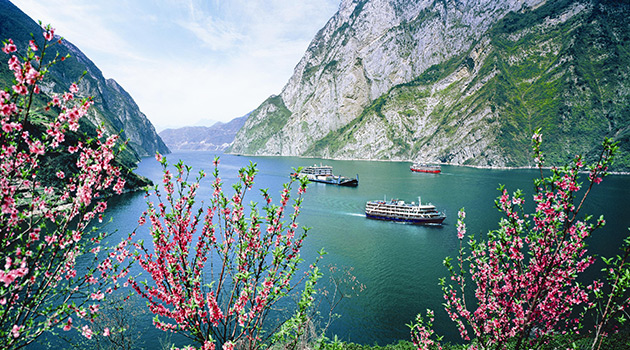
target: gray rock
<point>455,81</point>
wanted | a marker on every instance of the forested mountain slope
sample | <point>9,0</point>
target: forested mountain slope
<point>113,106</point>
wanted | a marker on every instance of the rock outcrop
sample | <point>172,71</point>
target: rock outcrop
<point>454,81</point>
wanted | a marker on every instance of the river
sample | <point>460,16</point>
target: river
<point>399,264</point>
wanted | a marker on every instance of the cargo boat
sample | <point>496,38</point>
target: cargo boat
<point>324,174</point>
<point>397,210</point>
<point>426,168</point>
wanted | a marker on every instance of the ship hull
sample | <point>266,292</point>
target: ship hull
<point>417,221</point>
<point>432,171</point>
<point>343,182</point>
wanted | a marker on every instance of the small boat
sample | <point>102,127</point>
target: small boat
<point>397,210</point>
<point>324,174</point>
<point>426,168</point>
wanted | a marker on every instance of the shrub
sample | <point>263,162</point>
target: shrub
<point>44,226</point>
<point>216,272</point>
<point>525,273</point>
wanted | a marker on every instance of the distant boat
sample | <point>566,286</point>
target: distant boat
<point>324,174</point>
<point>397,210</point>
<point>426,168</point>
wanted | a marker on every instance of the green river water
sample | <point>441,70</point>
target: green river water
<point>399,264</point>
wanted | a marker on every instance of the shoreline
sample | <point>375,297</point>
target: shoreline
<point>625,173</point>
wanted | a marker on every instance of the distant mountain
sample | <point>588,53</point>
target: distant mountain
<point>205,122</point>
<point>174,124</point>
<point>113,106</point>
<point>203,138</point>
<point>455,81</point>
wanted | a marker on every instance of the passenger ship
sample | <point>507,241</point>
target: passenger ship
<point>324,174</point>
<point>397,210</point>
<point>426,168</point>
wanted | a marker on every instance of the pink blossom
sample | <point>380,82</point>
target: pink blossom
<point>20,89</point>
<point>86,331</point>
<point>97,296</point>
<point>15,331</point>
<point>34,235</point>
<point>68,325</point>
<point>9,47</point>
<point>524,274</point>
<point>6,278</point>
<point>119,186</point>
<point>49,34</point>
<point>32,45</point>
<point>37,147</point>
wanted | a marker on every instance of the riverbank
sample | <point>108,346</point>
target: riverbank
<point>412,161</point>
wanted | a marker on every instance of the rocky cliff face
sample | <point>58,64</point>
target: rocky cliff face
<point>462,82</point>
<point>114,107</point>
<point>203,138</point>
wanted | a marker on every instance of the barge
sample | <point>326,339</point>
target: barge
<point>324,174</point>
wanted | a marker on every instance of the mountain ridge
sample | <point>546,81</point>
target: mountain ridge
<point>203,138</point>
<point>506,69</point>
<point>113,106</point>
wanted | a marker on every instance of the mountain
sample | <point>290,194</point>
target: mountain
<point>203,138</point>
<point>205,122</point>
<point>454,81</point>
<point>113,107</point>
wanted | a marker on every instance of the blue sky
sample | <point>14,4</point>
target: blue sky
<point>185,61</point>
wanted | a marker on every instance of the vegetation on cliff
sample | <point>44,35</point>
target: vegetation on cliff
<point>114,109</point>
<point>560,66</point>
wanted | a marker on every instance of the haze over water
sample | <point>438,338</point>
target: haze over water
<point>399,264</point>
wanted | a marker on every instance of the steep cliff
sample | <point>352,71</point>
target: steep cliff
<point>114,107</point>
<point>203,138</point>
<point>463,82</point>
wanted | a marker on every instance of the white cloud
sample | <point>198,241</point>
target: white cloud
<point>189,60</point>
<point>215,34</point>
<point>80,23</point>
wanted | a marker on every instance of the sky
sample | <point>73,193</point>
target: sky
<point>189,62</point>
